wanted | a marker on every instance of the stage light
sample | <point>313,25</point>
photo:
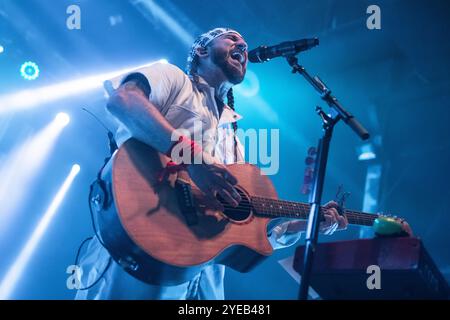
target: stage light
<point>366,156</point>
<point>29,70</point>
<point>151,10</point>
<point>250,86</point>
<point>2,49</point>
<point>16,270</point>
<point>366,152</point>
<point>115,20</point>
<point>33,97</point>
<point>62,119</point>
<point>19,169</point>
<point>76,168</point>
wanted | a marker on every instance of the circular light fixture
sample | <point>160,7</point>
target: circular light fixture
<point>29,70</point>
<point>62,119</point>
<point>75,169</point>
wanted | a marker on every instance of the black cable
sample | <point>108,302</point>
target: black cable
<point>112,148</point>
<point>99,278</point>
<point>96,118</point>
<point>112,142</point>
<point>90,238</point>
<point>79,249</point>
<point>94,226</point>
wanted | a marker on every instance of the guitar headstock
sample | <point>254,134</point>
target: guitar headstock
<point>389,225</point>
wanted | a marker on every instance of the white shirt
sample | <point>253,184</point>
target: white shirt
<point>190,106</point>
<point>183,103</point>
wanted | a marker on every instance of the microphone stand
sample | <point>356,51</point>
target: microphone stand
<point>328,122</point>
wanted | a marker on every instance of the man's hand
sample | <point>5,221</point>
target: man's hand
<point>333,221</point>
<point>213,178</point>
<point>406,227</point>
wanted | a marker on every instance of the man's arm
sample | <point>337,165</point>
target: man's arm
<point>130,105</point>
<point>142,119</point>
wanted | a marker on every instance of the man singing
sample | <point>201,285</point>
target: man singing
<point>150,104</point>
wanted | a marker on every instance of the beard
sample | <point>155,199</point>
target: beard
<point>233,74</point>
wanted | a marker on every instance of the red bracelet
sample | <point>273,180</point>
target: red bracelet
<point>194,148</point>
<point>169,152</point>
<point>171,167</point>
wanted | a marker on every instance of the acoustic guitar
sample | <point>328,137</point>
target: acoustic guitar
<point>164,232</point>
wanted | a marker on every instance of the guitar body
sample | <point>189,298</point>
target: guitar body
<point>144,230</point>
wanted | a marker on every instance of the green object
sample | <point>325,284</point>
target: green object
<point>385,226</point>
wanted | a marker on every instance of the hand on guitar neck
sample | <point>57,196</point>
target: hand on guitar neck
<point>334,221</point>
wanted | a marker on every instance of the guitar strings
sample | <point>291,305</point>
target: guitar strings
<point>368,218</point>
<point>288,206</point>
<point>304,208</point>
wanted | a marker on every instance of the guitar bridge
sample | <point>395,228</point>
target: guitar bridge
<point>186,202</point>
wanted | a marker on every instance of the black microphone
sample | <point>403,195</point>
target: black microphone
<point>288,48</point>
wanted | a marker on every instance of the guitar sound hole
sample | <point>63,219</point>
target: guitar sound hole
<point>239,213</point>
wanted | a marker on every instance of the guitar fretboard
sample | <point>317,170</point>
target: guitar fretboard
<point>275,208</point>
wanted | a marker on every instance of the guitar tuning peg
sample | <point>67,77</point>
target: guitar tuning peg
<point>312,151</point>
<point>341,196</point>
<point>309,161</point>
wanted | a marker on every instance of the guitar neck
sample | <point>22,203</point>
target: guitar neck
<point>276,208</point>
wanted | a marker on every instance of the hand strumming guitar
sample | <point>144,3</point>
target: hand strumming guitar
<point>130,105</point>
<point>215,179</point>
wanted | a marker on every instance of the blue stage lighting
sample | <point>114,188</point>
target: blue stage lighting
<point>250,86</point>
<point>20,169</point>
<point>29,70</point>
<point>15,101</point>
<point>9,282</point>
<point>366,152</point>
<point>62,119</point>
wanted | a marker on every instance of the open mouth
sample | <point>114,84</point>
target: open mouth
<point>238,56</point>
